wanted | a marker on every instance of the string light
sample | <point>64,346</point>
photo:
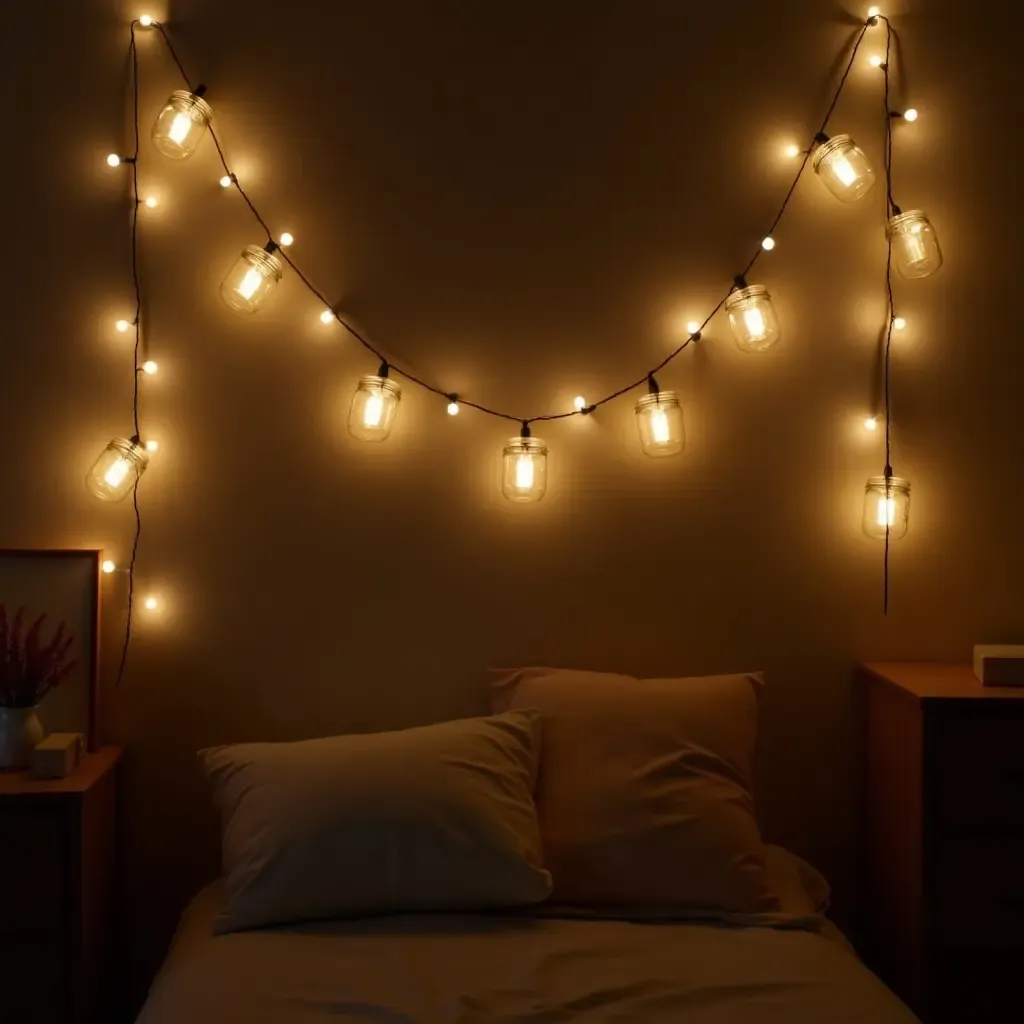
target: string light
<point>899,323</point>
<point>525,472</point>
<point>842,167</point>
<point>152,446</point>
<point>579,403</point>
<point>152,202</point>
<point>150,367</point>
<point>659,419</point>
<point>255,275</point>
<point>108,566</point>
<point>118,469</point>
<point>871,423</point>
<point>910,114</point>
<point>453,406</point>
<point>752,317</point>
<point>327,316</point>
<point>374,406</point>
<point>792,151</point>
<point>915,246</point>
<point>768,243</point>
<point>146,20</point>
<point>182,123</point>
<point>875,61</point>
<point>113,160</point>
<point>693,327</point>
<point>152,603</point>
<point>225,182</point>
<point>874,12</point>
<point>287,238</point>
<point>121,326</point>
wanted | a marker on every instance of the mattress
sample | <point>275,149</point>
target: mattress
<point>503,968</point>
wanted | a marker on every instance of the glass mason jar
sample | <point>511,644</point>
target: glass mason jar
<point>752,317</point>
<point>251,279</point>
<point>181,125</point>
<point>844,169</point>
<point>659,418</point>
<point>374,407</point>
<point>525,469</point>
<point>886,507</point>
<point>915,246</point>
<point>118,469</point>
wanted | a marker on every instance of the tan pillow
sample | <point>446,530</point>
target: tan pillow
<point>430,819</point>
<point>645,792</point>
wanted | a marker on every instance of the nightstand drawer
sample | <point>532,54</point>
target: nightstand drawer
<point>979,894</point>
<point>978,769</point>
<point>32,872</point>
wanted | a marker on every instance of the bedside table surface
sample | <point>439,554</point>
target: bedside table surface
<point>91,768</point>
<point>936,681</point>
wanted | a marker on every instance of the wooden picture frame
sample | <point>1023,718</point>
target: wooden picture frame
<point>63,584</point>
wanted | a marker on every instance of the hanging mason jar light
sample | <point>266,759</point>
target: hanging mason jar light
<point>915,246</point>
<point>843,168</point>
<point>886,506</point>
<point>252,278</point>
<point>374,406</point>
<point>182,123</point>
<point>525,468</point>
<point>752,317</point>
<point>118,468</point>
<point>659,418</point>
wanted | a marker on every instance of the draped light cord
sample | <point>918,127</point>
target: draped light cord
<point>413,378</point>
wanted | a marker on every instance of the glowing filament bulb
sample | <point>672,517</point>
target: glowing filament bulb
<point>180,127</point>
<point>248,285</point>
<point>373,410</point>
<point>754,321</point>
<point>524,472</point>
<point>109,566</point>
<point>116,473</point>
<point>661,433</point>
<point>843,170</point>
<point>886,512</point>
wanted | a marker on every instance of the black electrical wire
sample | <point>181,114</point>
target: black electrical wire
<point>137,349</point>
<point>440,392</point>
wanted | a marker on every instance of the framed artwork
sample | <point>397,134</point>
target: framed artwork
<point>63,585</point>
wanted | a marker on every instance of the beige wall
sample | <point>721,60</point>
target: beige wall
<point>520,201</point>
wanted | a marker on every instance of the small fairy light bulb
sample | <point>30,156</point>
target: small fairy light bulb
<point>121,326</point>
<point>899,324</point>
<point>150,367</point>
<point>752,316</point>
<point>768,243</point>
<point>525,468</point>
<point>252,278</point>
<point>910,114</point>
<point>875,61</point>
<point>843,168</point>
<point>886,507</point>
<point>152,446</point>
<point>146,20</point>
<point>579,403</point>
<point>453,406</point>
<point>152,202</point>
<point>225,182</point>
<point>118,469</point>
<point>182,123</point>
<point>792,151</point>
<point>113,160</point>
<point>327,316</point>
<point>287,238</point>
<point>693,327</point>
<point>871,423</point>
<point>874,12</point>
<point>109,566</point>
<point>374,406</point>
<point>152,603</point>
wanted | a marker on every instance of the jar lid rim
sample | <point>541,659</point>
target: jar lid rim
<point>658,398</point>
<point>897,482</point>
<point>197,101</point>
<point>384,383</point>
<point>749,292</point>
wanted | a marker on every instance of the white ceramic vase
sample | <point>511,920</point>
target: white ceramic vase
<point>20,731</point>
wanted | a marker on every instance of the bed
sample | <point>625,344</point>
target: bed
<point>517,967</point>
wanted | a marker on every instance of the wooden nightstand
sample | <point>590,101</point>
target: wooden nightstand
<point>945,839</point>
<point>56,892</point>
